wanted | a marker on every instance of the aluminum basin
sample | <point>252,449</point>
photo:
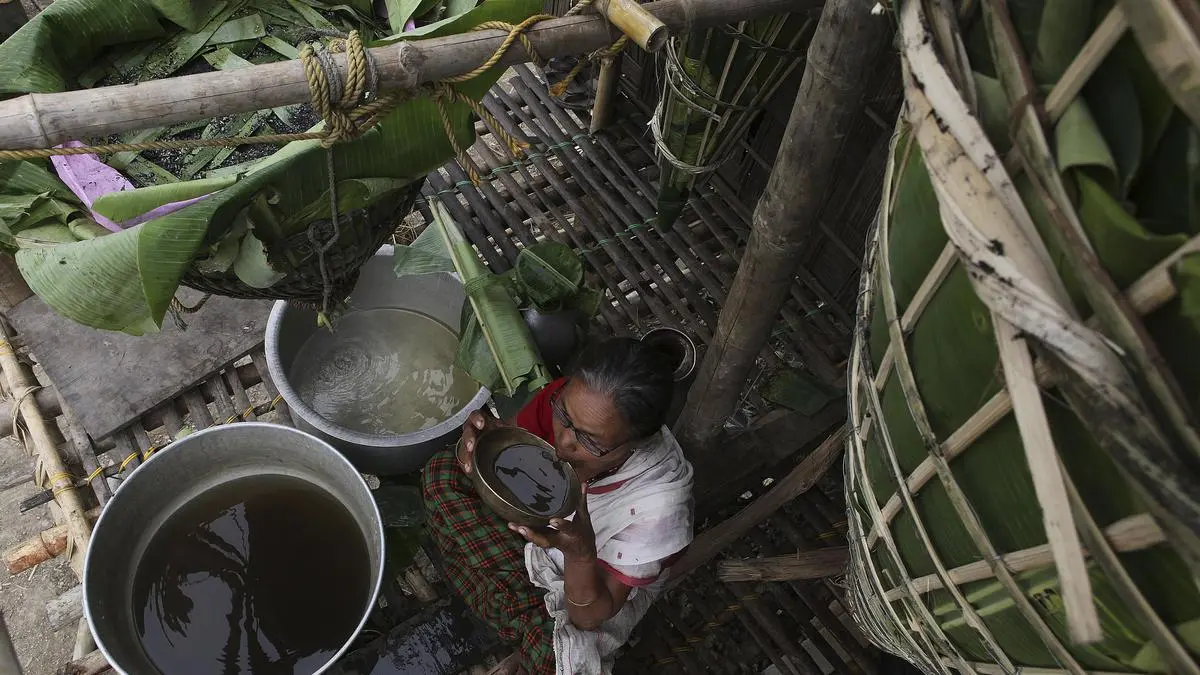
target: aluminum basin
<point>440,296</point>
<point>176,476</point>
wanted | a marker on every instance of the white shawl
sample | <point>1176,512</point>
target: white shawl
<point>653,490</point>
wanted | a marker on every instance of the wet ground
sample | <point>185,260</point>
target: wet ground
<point>23,597</point>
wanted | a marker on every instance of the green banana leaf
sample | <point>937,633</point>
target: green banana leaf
<point>495,346</point>
<point>125,281</point>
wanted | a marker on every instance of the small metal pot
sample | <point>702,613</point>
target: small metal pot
<point>440,296</point>
<point>556,334</point>
<point>177,475</point>
<point>677,346</point>
<point>491,489</point>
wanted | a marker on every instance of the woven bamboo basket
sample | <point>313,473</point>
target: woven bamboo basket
<point>360,234</point>
<point>1023,474</point>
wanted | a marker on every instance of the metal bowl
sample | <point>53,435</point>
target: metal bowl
<point>496,495</point>
<point>440,296</point>
<point>677,346</point>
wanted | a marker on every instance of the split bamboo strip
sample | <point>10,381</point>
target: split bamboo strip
<point>21,385</point>
<point>45,120</point>
<point>1154,289</point>
<point>917,614</point>
<point>1126,535</point>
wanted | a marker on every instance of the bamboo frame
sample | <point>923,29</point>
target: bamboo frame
<point>45,120</point>
<point>1056,492</point>
<point>21,385</point>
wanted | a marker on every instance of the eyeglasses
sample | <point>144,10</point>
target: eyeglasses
<point>585,439</point>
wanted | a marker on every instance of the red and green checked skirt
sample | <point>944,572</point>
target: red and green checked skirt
<point>485,563</point>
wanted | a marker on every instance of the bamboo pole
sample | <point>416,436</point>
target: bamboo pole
<point>647,30</point>
<point>39,548</point>
<point>21,385</point>
<point>45,120</point>
<point>606,93</point>
<point>816,564</point>
<point>849,43</point>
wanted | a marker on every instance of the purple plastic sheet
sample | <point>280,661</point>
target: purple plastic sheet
<point>89,178</point>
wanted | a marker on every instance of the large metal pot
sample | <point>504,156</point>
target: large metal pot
<point>440,296</point>
<point>179,474</point>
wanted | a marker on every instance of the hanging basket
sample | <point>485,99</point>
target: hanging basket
<point>361,233</point>
<point>1023,478</point>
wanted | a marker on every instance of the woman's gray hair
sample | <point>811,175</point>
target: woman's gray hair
<point>636,377</point>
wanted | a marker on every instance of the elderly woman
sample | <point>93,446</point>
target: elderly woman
<point>570,595</point>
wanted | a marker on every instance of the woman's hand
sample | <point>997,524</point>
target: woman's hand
<point>575,538</point>
<point>478,422</point>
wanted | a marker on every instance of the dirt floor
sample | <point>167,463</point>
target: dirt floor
<point>23,597</point>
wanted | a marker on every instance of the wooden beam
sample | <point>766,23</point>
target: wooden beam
<point>848,45</point>
<point>45,120</point>
<point>815,564</point>
<point>714,540</point>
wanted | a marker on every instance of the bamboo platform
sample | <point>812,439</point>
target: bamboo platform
<point>596,192</point>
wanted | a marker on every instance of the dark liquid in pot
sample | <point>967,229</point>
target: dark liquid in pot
<point>267,574</point>
<point>534,477</point>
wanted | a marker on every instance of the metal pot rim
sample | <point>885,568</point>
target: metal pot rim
<point>311,417</point>
<point>376,583</point>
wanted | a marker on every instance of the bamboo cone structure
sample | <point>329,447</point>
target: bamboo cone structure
<point>45,120</point>
<point>21,386</point>
<point>1100,417</point>
<point>847,45</point>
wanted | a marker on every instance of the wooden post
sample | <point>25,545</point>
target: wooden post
<point>848,45</point>
<point>45,120</point>
<point>607,83</point>
<point>816,564</point>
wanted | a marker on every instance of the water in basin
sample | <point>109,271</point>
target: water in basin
<point>382,371</point>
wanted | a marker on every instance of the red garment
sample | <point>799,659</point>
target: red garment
<point>536,417</point>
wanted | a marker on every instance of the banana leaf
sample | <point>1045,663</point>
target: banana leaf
<point>495,346</point>
<point>715,85</point>
<point>125,281</point>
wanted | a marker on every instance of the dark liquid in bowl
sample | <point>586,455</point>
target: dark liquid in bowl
<point>534,477</point>
<point>267,574</point>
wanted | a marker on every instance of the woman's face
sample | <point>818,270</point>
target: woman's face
<point>585,423</point>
